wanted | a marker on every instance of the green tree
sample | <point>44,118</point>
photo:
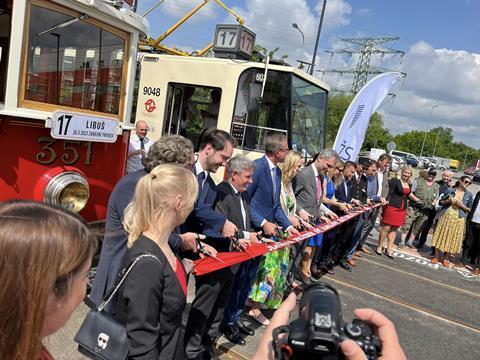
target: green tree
<point>377,135</point>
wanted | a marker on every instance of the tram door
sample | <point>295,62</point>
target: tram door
<point>191,110</point>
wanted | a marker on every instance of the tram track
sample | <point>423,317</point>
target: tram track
<point>422,278</point>
<point>421,309</point>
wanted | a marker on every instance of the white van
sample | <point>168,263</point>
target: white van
<point>408,157</point>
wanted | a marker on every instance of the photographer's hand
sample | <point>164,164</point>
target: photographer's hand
<point>391,349</point>
<point>265,348</point>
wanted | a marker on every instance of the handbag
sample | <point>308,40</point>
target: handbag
<point>101,336</point>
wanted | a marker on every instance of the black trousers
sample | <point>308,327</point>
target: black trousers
<point>369,225</point>
<point>471,245</point>
<point>342,241</point>
<point>212,292</point>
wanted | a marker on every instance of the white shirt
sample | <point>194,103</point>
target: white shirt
<point>246,234</point>
<point>476,215</point>
<point>198,170</point>
<point>134,162</point>
<point>380,182</point>
<point>323,207</point>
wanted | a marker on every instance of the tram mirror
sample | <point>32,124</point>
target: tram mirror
<point>254,99</point>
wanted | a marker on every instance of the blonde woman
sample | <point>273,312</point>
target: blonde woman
<point>153,296</point>
<point>46,254</point>
<point>396,210</point>
<point>270,284</point>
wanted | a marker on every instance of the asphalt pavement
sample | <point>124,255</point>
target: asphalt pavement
<point>436,310</point>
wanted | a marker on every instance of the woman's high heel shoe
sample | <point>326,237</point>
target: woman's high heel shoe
<point>385,251</point>
<point>378,252</point>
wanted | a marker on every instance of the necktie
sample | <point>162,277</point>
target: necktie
<point>200,178</point>
<point>142,146</point>
<point>319,189</point>
<point>242,208</point>
<point>274,181</point>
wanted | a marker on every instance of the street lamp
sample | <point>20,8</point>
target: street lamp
<point>428,125</point>
<point>436,141</point>
<point>295,26</point>
<point>318,36</point>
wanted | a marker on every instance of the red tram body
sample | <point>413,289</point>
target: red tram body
<point>75,56</point>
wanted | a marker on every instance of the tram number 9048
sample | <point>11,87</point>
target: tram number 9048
<point>151,91</point>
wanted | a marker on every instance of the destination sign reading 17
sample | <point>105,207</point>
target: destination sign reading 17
<point>75,126</point>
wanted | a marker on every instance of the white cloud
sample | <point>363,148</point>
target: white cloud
<point>448,78</point>
<point>272,22</point>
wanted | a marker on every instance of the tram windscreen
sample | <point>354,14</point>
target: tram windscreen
<point>74,62</point>
<point>290,105</point>
<point>309,104</point>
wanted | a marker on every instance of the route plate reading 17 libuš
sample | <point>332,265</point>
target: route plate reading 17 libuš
<point>75,126</point>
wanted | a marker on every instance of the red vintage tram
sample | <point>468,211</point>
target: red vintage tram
<point>65,66</point>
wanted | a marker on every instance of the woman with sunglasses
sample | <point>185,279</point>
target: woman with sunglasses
<point>450,231</point>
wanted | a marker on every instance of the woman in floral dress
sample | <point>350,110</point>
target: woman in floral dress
<point>270,284</point>
<point>450,231</point>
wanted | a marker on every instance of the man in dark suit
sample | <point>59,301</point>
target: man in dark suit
<point>361,193</point>
<point>266,214</point>
<point>383,167</point>
<point>213,290</point>
<point>211,293</point>
<point>346,192</point>
<point>471,244</point>
<point>308,191</point>
<point>172,149</point>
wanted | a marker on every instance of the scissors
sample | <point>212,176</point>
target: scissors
<point>236,240</point>
<point>201,249</point>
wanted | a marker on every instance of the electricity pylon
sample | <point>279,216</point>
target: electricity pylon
<point>365,47</point>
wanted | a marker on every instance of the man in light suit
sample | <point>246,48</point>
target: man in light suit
<point>216,148</point>
<point>307,186</point>
<point>267,214</point>
<point>383,167</point>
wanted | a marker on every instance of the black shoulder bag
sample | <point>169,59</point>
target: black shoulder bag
<point>102,337</point>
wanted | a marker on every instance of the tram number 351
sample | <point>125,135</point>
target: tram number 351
<point>70,154</point>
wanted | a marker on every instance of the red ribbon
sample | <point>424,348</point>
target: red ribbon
<point>209,264</point>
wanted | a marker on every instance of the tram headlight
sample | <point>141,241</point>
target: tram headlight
<point>69,190</point>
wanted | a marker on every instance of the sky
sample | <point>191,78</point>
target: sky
<point>440,39</point>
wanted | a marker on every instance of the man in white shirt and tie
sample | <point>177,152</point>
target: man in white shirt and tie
<point>138,147</point>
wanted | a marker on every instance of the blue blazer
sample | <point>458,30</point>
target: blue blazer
<point>264,205</point>
<point>340,193</point>
<point>204,218</point>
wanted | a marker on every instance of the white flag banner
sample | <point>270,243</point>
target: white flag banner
<point>354,125</point>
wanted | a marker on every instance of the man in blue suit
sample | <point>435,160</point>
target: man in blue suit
<point>266,214</point>
<point>216,148</point>
<point>172,149</point>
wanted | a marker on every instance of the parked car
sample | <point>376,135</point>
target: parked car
<point>397,163</point>
<point>476,176</point>
<point>471,170</point>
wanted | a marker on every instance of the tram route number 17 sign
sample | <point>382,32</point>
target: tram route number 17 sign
<point>75,126</point>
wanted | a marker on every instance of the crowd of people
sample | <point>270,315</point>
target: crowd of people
<point>172,209</point>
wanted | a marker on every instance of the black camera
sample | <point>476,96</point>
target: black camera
<point>319,329</point>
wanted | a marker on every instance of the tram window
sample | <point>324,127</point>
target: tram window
<point>5,28</point>
<point>253,117</point>
<point>191,109</point>
<point>309,103</point>
<point>73,61</point>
